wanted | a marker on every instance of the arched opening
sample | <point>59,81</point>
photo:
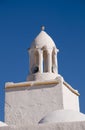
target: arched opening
<point>35,66</point>
<point>45,69</point>
<point>36,58</point>
<point>53,61</point>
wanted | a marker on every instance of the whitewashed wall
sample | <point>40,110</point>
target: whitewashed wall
<point>29,105</point>
<point>55,126</point>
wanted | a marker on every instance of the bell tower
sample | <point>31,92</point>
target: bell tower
<point>43,57</point>
<point>45,97</point>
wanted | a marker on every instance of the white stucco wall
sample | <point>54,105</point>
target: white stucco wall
<point>55,126</point>
<point>70,100</point>
<point>41,76</point>
<point>28,105</point>
<point>5,128</point>
<point>60,126</point>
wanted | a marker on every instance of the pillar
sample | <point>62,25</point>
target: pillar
<point>55,65</point>
<point>49,60</point>
<point>30,60</point>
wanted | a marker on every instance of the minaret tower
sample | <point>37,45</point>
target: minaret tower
<point>43,58</point>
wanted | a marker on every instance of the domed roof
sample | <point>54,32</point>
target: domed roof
<point>63,116</point>
<point>43,40</point>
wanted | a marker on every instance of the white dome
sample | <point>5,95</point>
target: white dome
<point>2,124</point>
<point>43,40</point>
<point>63,116</point>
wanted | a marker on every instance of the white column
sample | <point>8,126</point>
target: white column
<point>40,61</point>
<point>49,60</point>
<point>30,60</point>
<point>55,64</point>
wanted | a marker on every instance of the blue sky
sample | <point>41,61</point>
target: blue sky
<point>20,22</point>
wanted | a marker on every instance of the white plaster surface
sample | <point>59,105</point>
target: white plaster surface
<point>2,124</point>
<point>42,76</point>
<point>43,39</point>
<point>63,116</point>
<point>28,105</point>
<point>53,126</point>
<point>6,128</point>
<point>70,100</point>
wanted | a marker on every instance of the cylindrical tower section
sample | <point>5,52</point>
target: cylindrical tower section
<point>43,58</point>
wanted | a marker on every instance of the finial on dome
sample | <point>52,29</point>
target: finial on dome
<point>43,28</point>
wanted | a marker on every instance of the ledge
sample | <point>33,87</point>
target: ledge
<point>10,85</point>
<point>71,89</point>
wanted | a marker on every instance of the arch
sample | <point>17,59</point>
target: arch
<point>44,48</point>
<point>36,57</point>
<point>45,69</point>
<point>35,61</point>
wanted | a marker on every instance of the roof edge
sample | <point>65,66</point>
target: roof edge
<point>10,85</point>
<point>71,89</point>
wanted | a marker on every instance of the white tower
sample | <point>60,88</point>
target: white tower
<point>43,58</point>
<point>45,98</point>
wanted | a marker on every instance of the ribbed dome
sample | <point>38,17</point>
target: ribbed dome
<point>43,40</point>
<point>63,116</point>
